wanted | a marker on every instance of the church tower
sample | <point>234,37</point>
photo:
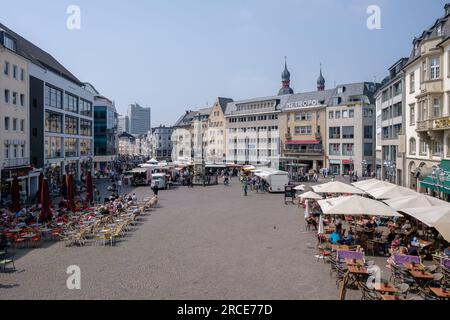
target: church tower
<point>286,81</point>
<point>321,81</point>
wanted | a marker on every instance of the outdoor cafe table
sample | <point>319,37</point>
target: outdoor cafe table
<point>358,271</point>
<point>389,288</point>
<point>439,292</point>
<point>417,267</point>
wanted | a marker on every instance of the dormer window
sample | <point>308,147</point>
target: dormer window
<point>341,90</point>
<point>9,42</point>
<point>416,49</point>
<point>439,30</point>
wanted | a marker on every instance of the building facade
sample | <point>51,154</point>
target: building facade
<point>351,129</point>
<point>139,119</point>
<point>161,143</point>
<point>182,138</point>
<point>106,142</point>
<point>217,135</point>
<point>390,125</point>
<point>123,124</point>
<point>427,102</point>
<point>14,118</point>
<point>303,131</point>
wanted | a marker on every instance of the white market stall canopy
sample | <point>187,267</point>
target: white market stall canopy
<point>415,201</point>
<point>356,206</point>
<point>300,187</point>
<point>391,192</point>
<point>372,184</point>
<point>310,195</point>
<point>337,187</point>
<point>437,217</point>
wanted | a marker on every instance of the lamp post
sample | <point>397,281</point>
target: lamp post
<point>390,167</point>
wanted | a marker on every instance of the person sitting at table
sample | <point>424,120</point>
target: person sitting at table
<point>406,226</point>
<point>447,251</point>
<point>415,242</point>
<point>338,224</point>
<point>348,239</point>
<point>335,237</point>
<point>412,250</point>
<point>395,243</point>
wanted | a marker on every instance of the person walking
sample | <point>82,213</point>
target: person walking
<point>119,186</point>
<point>245,186</point>
<point>155,188</point>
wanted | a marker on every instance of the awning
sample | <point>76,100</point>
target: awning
<point>303,142</point>
<point>429,183</point>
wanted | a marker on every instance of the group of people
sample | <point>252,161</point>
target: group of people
<point>254,183</point>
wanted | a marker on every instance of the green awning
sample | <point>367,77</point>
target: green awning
<point>428,183</point>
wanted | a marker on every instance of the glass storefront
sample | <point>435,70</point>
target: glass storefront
<point>85,147</point>
<point>71,147</point>
<point>53,147</point>
<point>53,122</point>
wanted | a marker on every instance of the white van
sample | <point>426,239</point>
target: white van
<point>160,180</point>
<point>276,179</point>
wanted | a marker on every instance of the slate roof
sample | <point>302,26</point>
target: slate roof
<point>39,57</point>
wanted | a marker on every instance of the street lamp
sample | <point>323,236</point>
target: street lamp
<point>390,167</point>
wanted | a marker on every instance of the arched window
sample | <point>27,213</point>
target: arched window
<point>412,146</point>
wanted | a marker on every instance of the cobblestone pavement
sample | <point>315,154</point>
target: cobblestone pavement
<point>200,243</point>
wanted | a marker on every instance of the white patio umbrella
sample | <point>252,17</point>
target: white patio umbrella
<point>391,192</point>
<point>374,184</point>
<point>356,206</point>
<point>152,160</point>
<point>414,201</point>
<point>437,217</point>
<point>306,209</point>
<point>300,188</point>
<point>337,187</point>
<point>321,229</point>
<point>363,183</point>
<point>310,195</point>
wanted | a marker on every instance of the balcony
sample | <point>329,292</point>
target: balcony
<point>441,123</point>
<point>303,152</point>
<point>431,86</point>
<point>14,163</point>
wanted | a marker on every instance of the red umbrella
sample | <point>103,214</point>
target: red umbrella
<point>15,195</point>
<point>46,214</point>
<point>89,188</point>
<point>70,193</point>
<point>64,186</point>
<point>41,179</point>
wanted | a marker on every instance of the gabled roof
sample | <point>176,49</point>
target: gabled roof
<point>40,57</point>
<point>223,103</point>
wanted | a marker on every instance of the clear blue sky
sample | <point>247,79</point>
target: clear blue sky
<point>174,55</point>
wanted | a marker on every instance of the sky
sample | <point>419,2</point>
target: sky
<point>177,55</point>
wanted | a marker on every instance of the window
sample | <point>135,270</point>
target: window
<point>437,109</point>
<point>303,116</point>
<point>338,114</point>
<point>85,147</point>
<point>86,108</point>
<point>368,132</point>
<point>412,146</point>
<point>424,70</point>
<point>22,100</point>
<point>348,149</point>
<point>6,68</point>
<point>53,147</point>
<point>15,151</point>
<point>22,74</point>
<point>351,113</point>
<point>412,115</point>
<point>71,125</point>
<point>423,148</point>
<point>436,148</point>
<point>331,115</point>
<point>348,132</point>
<point>53,97</point>
<point>423,110</point>
<point>335,132</point>
<point>53,122</point>
<point>14,124</point>
<point>6,96</point>
<point>368,149</point>
<point>14,71</point>
<point>412,82</point>
<point>9,43</point>
<point>22,125</point>
<point>303,130</point>
<point>335,149</point>
<point>71,103</point>
<point>6,151</point>
<point>86,128</point>
<point>6,123</point>
<point>345,114</point>
<point>70,147</point>
<point>435,69</point>
<point>14,98</point>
